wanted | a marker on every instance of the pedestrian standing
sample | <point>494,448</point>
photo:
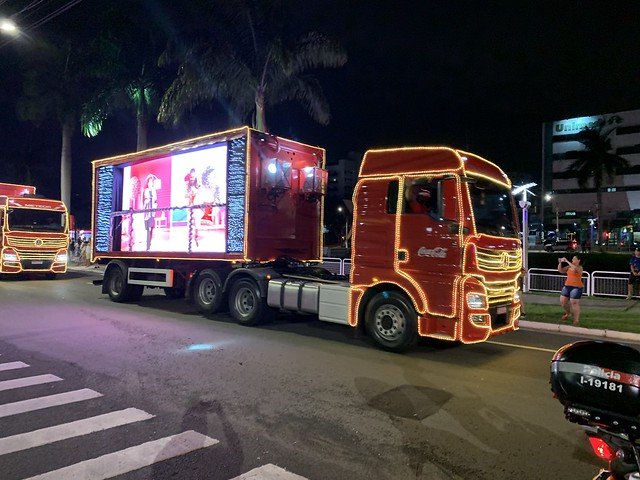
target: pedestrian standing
<point>634,276</point>
<point>572,290</point>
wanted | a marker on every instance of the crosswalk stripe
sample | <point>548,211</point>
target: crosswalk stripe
<point>132,458</point>
<point>269,472</point>
<point>12,366</point>
<point>28,381</point>
<point>39,403</point>
<point>64,431</point>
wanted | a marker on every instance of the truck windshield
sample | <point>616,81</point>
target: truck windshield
<point>492,209</point>
<point>32,220</point>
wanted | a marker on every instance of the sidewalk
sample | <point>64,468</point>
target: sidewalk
<point>597,302</point>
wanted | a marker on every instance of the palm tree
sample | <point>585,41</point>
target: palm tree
<point>126,74</point>
<point>250,68</point>
<point>596,162</point>
<point>54,87</point>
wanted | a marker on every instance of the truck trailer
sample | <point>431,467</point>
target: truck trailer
<point>34,232</point>
<point>235,220</point>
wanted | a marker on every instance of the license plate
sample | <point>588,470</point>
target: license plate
<point>502,310</point>
<point>36,262</point>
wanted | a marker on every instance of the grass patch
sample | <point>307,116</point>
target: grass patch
<point>590,317</point>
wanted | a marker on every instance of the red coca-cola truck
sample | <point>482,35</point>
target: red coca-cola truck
<point>235,220</point>
<point>34,232</point>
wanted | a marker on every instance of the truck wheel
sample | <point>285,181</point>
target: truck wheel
<point>246,305</point>
<point>207,291</point>
<point>117,286</point>
<point>391,321</point>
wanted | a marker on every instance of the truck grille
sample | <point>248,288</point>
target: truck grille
<point>37,255</point>
<point>499,261</point>
<point>500,293</point>
<point>38,242</point>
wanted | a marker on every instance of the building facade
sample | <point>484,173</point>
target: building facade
<point>343,176</point>
<point>572,209</point>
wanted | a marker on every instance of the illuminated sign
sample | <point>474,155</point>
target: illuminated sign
<point>570,214</point>
<point>176,203</point>
<point>574,125</point>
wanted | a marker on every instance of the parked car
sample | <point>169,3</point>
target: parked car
<point>560,245</point>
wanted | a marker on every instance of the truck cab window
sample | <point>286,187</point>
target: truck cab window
<point>421,197</point>
<point>392,197</point>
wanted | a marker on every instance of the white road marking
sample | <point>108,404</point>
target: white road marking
<point>269,472</point>
<point>129,459</point>
<point>526,347</point>
<point>28,381</point>
<point>39,403</point>
<point>12,366</point>
<point>36,438</point>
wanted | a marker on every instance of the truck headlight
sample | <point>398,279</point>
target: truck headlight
<point>516,297</point>
<point>61,257</point>
<point>477,300</point>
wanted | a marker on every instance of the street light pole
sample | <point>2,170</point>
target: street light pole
<point>524,204</point>
<point>554,203</point>
<point>346,226</point>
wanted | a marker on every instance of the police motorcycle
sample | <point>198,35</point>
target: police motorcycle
<point>598,383</point>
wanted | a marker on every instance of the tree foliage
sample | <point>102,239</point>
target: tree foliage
<point>126,76</point>
<point>247,63</point>
<point>597,163</point>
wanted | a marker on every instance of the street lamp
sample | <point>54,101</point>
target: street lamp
<point>548,197</point>
<point>346,226</point>
<point>524,204</point>
<point>8,26</point>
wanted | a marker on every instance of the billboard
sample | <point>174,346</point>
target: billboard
<point>176,203</point>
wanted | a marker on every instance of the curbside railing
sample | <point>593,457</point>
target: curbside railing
<point>550,280</point>
<point>612,284</point>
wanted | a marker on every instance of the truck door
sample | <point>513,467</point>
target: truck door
<point>428,247</point>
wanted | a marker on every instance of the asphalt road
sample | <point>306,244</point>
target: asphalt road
<point>180,396</point>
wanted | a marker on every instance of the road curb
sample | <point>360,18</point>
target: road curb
<point>593,332</point>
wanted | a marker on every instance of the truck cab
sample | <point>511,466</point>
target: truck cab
<point>34,232</point>
<point>435,244</point>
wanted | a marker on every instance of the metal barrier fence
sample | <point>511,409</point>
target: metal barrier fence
<point>334,265</point>
<point>604,283</point>
<point>609,283</point>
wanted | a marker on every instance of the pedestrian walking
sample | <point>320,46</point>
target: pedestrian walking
<point>572,290</point>
<point>634,276</point>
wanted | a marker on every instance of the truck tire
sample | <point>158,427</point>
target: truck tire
<point>117,288</point>
<point>246,305</point>
<point>207,291</point>
<point>391,321</point>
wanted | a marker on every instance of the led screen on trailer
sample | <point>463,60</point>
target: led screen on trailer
<point>176,203</point>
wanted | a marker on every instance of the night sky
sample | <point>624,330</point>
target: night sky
<point>482,76</point>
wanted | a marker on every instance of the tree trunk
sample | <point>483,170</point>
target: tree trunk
<point>65,163</point>
<point>600,223</point>
<point>142,128</point>
<point>260,122</point>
